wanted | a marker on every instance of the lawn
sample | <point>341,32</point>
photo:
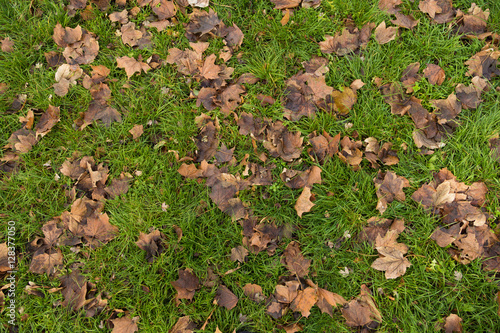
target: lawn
<point>250,166</point>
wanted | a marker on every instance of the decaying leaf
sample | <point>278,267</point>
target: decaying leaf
<point>304,204</point>
<point>125,325</point>
<point>389,187</point>
<point>383,34</point>
<point>225,297</point>
<point>186,285</point>
<point>295,261</point>
<point>131,65</point>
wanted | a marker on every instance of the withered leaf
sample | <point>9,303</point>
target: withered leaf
<point>430,7</point>
<point>405,21</point>
<point>304,204</point>
<point>343,101</point>
<point>65,36</point>
<point>470,96</point>
<point>74,290</point>
<point>304,301</point>
<point>49,118</point>
<point>164,9</point>
<point>183,325</point>
<point>392,262</point>
<point>186,285</point>
<point>152,243</point>
<point>328,300</point>
<point>22,140</point>
<point>390,6</point>
<point>121,17</point>
<point>239,253</point>
<point>434,74</point>
<point>383,34</point>
<point>295,261</point>
<point>453,323</point>
<point>340,44</point>
<point>136,131</point>
<point>284,4</point>
<point>47,263</point>
<point>7,45</point>
<point>254,292</point>
<point>125,325</point>
<point>389,187</point>
<point>225,297</point>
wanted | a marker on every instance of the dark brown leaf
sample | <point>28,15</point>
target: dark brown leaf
<point>226,298</point>
<point>295,261</point>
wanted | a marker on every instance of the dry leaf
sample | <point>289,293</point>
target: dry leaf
<point>304,204</point>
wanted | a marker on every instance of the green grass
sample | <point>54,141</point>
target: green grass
<point>421,298</point>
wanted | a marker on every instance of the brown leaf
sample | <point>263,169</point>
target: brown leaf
<point>343,101</point>
<point>136,131</point>
<point>125,325</point>
<point>131,65</point>
<point>152,243</point>
<point>239,254</point>
<point>207,142</point>
<point>383,34</point>
<point>49,118</point>
<point>254,292</point>
<point>286,17</point>
<point>361,311</point>
<point>434,74</point>
<point>201,23</point>
<point>341,44</point>
<point>448,108</point>
<point>405,21</point>
<point>284,4</point>
<point>47,263</point>
<point>210,70</point>
<point>65,36</point>
<point>304,301</point>
<point>294,179</point>
<point>287,293</point>
<point>324,145</point>
<point>304,204</point>
<point>328,300</point>
<point>484,64</point>
<point>121,17</point>
<point>453,323</point>
<point>22,140</point>
<point>295,261</point>
<point>475,21</point>
<point>224,297</point>
<point>430,7</point>
<point>130,35</point>
<point>186,285</point>
<point>7,45</point>
<point>83,51</point>
<point>389,6</point>
<point>183,325</point>
<point>164,9</point>
<point>350,153</point>
<point>470,96</point>
<point>389,187</point>
<point>392,262</point>
<point>74,290</point>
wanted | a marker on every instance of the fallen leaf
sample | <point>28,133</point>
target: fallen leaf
<point>125,325</point>
<point>405,21</point>
<point>286,17</point>
<point>304,301</point>
<point>186,285</point>
<point>136,131</point>
<point>453,323</point>
<point>295,261</point>
<point>304,204</point>
<point>121,17</point>
<point>254,292</point>
<point>224,297</point>
<point>434,74</point>
<point>183,325</point>
<point>392,262</point>
<point>7,45</point>
<point>389,187</point>
<point>284,4</point>
<point>390,6</point>
<point>383,34</point>
<point>49,118</point>
<point>239,254</point>
<point>131,65</point>
<point>152,243</point>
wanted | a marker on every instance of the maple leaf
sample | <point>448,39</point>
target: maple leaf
<point>49,118</point>
<point>448,108</point>
<point>286,293</point>
<point>183,325</point>
<point>22,140</point>
<point>383,34</point>
<point>201,23</point>
<point>475,21</point>
<point>392,262</point>
<point>66,36</point>
<point>324,145</point>
<point>470,96</point>
<point>389,187</point>
<point>225,297</point>
<point>83,51</point>
<point>121,17</point>
<point>390,6</point>
<point>28,120</point>
<point>328,300</point>
<point>304,301</point>
<point>164,9</point>
<point>434,74</point>
<point>210,70</point>
<point>343,101</point>
<point>125,325</point>
<point>295,261</point>
<point>131,65</point>
<point>350,153</point>
<point>405,21</point>
<point>47,263</point>
<point>74,290</point>
<point>304,204</point>
<point>186,285</point>
<point>362,310</point>
<point>484,63</point>
<point>239,254</point>
<point>130,36</point>
<point>152,243</point>
<point>341,44</point>
<point>430,7</point>
<point>294,179</point>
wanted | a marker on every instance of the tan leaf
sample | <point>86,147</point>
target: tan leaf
<point>295,260</point>
<point>131,65</point>
<point>136,131</point>
<point>453,323</point>
<point>384,35</point>
<point>304,204</point>
<point>434,74</point>
<point>225,297</point>
<point>304,301</point>
<point>392,262</point>
<point>125,325</point>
